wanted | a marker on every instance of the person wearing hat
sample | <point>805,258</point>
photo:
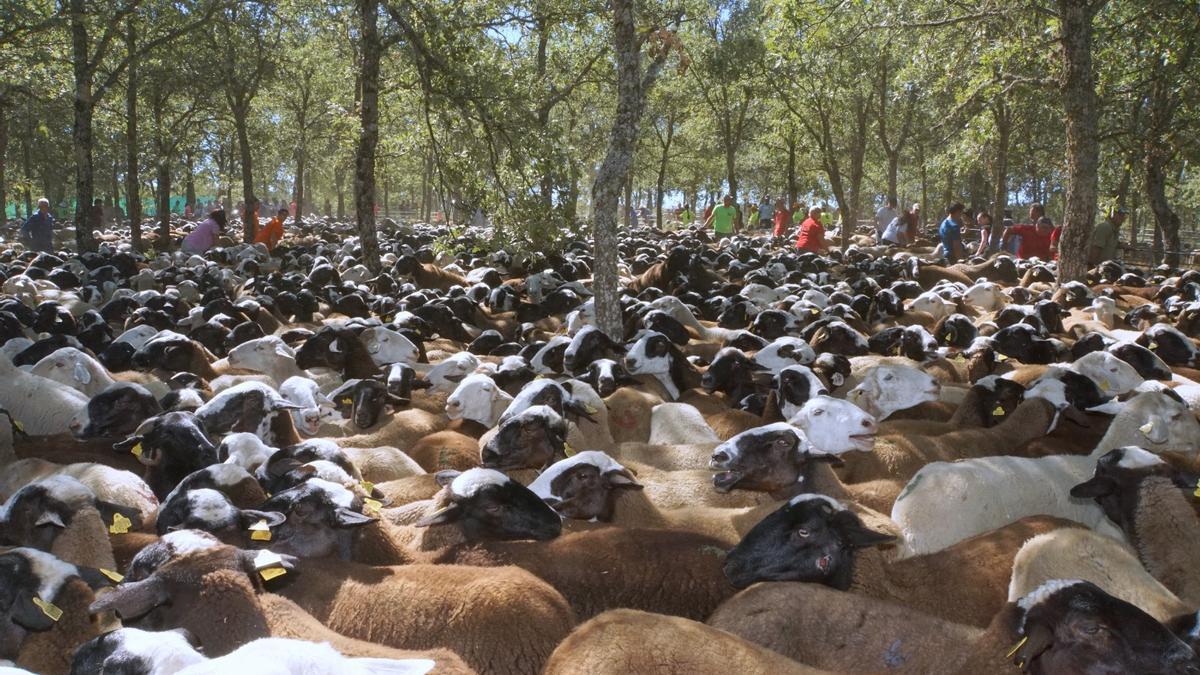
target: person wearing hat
<point>1104,242</point>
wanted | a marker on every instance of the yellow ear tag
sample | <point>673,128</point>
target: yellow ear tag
<point>591,410</point>
<point>371,507</point>
<point>20,427</point>
<point>113,576</point>
<point>568,450</point>
<point>347,401</point>
<point>271,573</point>
<point>260,531</point>
<point>1145,428</point>
<point>814,312</point>
<point>1153,345</point>
<point>1104,385</point>
<point>367,486</point>
<point>959,357</point>
<point>998,412</point>
<point>120,524</point>
<point>1001,357</point>
<point>136,450</point>
<point>1197,492</point>
<point>1017,647</point>
<point>947,338</point>
<point>48,608</point>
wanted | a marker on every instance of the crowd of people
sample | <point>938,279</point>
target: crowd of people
<point>1037,237</point>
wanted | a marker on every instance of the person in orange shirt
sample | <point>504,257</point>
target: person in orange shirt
<point>272,232</point>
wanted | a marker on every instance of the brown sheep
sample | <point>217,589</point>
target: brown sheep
<point>628,641</point>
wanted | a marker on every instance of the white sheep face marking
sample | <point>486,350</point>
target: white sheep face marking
<point>834,426</point>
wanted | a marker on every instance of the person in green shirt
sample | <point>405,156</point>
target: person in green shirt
<point>1104,242</point>
<point>722,218</point>
<point>685,215</point>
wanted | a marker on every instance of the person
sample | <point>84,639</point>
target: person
<point>204,236</point>
<point>989,234</point>
<point>38,230</point>
<point>766,212</point>
<point>950,232</point>
<point>812,233</point>
<point>782,218</point>
<point>826,216</point>
<point>1035,238</point>
<point>1055,235</point>
<point>685,215</point>
<point>1013,241</point>
<point>884,216</point>
<point>1105,240</point>
<point>96,214</point>
<point>187,211</point>
<point>914,222</point>
<point>272,232</point>
<point>708,210</point>
<point>753,218</point>
<point>896,232</point>
<point>723,218</point>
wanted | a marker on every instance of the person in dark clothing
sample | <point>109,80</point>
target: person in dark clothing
<point>38,230</point>
<point>96,215</point>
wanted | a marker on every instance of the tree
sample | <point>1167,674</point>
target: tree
<point>633,84</point>
<point>1081,110</point>
<point>368,139</point>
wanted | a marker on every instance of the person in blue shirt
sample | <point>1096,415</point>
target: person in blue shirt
<point>38,230</point>
<point>950,232</point>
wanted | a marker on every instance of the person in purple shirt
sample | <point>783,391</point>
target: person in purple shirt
<point>205,235</point>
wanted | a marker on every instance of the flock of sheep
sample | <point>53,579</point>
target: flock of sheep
<point>790,463</point>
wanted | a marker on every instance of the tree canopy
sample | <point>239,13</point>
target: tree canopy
<point>510,107</point>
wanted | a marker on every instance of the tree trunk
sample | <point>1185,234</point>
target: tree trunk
<point>791,173</point>
<point>301,161</point>
<point>632,87</point>
<point>241,115</point>
<point>133,200</point>
<point>339,184</point>
<point>731,172</point>
<point>27,163</point>
<point>3,155</point>
<point>628,200</point>
<point>924,191</point>
<point>1003,120</point>
<point>368,138</point>
<point>1165,218</point>
<point>164,198</point>
<point>189,179</point>
<point>81,130</point>
<point>1081,109</point>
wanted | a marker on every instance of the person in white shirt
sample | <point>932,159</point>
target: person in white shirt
<point>896,232</point>
<point>884,217</point>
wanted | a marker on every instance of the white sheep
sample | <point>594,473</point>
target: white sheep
<point>446,375</point>
<point>387,346</point>
<point>933,304</point>
<point>42,406</point>
<point>1111,374</point>
<point>989,492</point>
<point>890,387</point>
<point>316,407</point>
<point>479,399</point>
<point>245,450</point>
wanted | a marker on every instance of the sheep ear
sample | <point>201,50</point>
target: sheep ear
<point>108,510</point>
<point>622,478</point>
<point>334,347</point>
<point>854,534</point>
<point>446,477</point>
<point>250,516</point>
<point>1096,486</point>
<point>344,517</point>
<point>132,600</point>
<point>1037,639</point>
<point>27,615</point>
<point>127,444</point>
<point>443,516</point>
<point>50,518</point>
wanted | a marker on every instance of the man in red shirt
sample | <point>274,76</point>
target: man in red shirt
<point>812,235</point>
<point>1035,239</point>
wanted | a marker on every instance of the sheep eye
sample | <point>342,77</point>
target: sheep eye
<point>818,412</point>
<point>887,378</point>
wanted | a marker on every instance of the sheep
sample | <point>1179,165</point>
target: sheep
<point>533,439</point>
<point>170,651</point>
<point>216,594</point>
<point>888,387</point>
<point>109,485</point>
<point>315,407</point>
<point>679,423</point>
<point>993,491</point>
<point>269,355</point>
<point>815,538</point>
<point>629,412</point>
<point>43,407</point>
<point>851,633</point>
<point>477,398</point>
<point>46,616</point>
<point>84,373</point>
<point>62,516</point>
<point>387,346</point>
<point>401,430</point>
<point>591,486</point>
<point>987,403</point>
<point>425,275</point>
<point>1150,502</point>
<point>250,406</point>
<point>665,644</point>
<point>1073,553</point>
